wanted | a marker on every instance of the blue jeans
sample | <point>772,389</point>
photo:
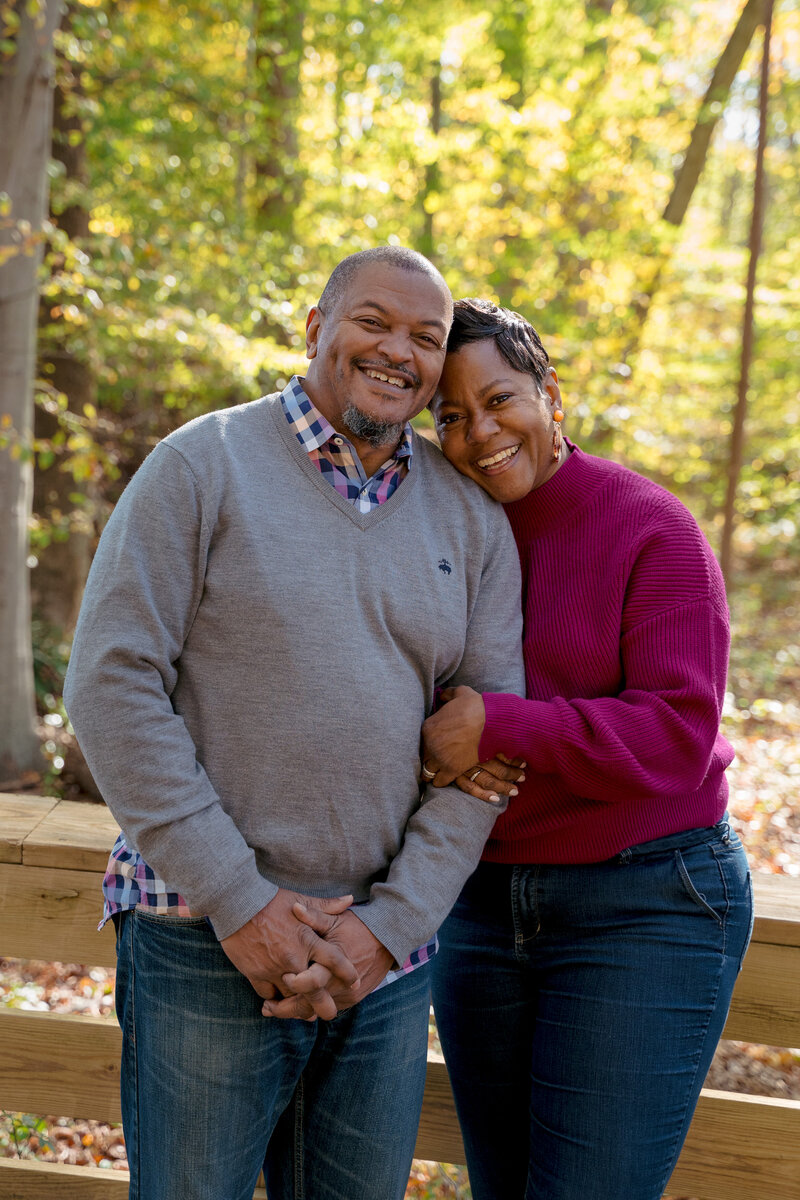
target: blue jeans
<point>579,1008</point>
<point>212,1090</point>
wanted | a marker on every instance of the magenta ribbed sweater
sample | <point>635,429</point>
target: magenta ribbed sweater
<point>626,652</point>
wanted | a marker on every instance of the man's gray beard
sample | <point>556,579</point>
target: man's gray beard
<point>367,429</point>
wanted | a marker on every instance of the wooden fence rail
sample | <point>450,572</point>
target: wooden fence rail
<point>52,855</point>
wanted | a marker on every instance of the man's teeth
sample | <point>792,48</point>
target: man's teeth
<point>496,459</point>
<point>395,379</point>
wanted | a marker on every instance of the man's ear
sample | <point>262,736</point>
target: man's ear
<point>313,324</point>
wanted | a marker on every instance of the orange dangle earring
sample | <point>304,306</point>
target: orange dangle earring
<point>558,417</point>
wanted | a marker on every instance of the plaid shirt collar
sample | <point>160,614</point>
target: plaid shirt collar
<point>313,431</point>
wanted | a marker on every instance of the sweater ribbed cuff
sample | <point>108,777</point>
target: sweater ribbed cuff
<point>517,728</point>
<point>234,907</point>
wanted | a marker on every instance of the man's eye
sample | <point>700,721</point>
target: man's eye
<point>430,341</point>
<point>369,321</point>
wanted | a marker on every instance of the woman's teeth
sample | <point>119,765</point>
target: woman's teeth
<point>495,459</point>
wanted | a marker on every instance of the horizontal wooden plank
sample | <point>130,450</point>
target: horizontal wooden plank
<point>738,1148</point>
<point>777,905</point>
<point>19,816</point>
<point>70,1065</point>
<point>28,1179</point>
<point>49,914</point>
<point>53,915</point>
<point>765,1000</point>
<point>67,1065</point>
<point>741,1148</point>
<point>73,835</point>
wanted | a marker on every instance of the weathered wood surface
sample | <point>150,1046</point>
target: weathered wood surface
<point>740,1148</point>
<point>766,999</point>
<point>65,1064</point>
<point>74,836</point>
<point>777,905</point>
<point>30,1180</point>
<point>19,816</point>
<point>52,914</point>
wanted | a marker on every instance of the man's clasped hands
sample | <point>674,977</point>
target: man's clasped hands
<point>308,957</point>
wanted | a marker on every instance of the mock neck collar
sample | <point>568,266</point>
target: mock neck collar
<point>556,502</point>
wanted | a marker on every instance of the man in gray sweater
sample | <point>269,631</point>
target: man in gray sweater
<point>279,593</point>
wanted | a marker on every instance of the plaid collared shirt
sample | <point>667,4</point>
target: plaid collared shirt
<point>335,457</point>
<point>129,882</point>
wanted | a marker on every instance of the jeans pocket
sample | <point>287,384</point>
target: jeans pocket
<point>714,893</point>
<point>168,920</point>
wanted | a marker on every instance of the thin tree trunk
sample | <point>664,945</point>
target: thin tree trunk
<point>427,243</point>
<point>688,174</point>
<point>58,579</point>
<point>509,31</point>
<point>26,107</point>
<point>756,227</point>
<point>278,35</point>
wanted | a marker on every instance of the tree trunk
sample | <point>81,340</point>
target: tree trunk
<point>688,174</point>
<point>756,227</point>
<point>509,31</point>
<point>427,243</point>
<point>278,37</point>
<point>26,105</point>
<point>58,579</point>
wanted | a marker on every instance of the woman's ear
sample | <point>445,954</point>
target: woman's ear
<point>552,388</point>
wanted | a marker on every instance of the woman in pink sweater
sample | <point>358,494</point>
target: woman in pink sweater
<point>585,973</point>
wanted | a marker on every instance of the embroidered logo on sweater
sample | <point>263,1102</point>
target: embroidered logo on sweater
<point>444,566</point>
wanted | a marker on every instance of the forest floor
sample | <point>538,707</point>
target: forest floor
<point>762,720</point>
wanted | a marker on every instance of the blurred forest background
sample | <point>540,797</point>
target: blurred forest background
<point>591,164</point>
<point>212,161</point>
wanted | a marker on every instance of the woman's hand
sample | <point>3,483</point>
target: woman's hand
<point>450,738</point>
<point>491,780</point>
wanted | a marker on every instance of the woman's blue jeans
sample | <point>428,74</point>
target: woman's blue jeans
<point>210,1087</point>
<point>579,1008</point>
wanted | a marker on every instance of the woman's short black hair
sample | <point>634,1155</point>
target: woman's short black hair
<point>516,339</point>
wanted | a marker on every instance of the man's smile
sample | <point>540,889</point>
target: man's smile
<point>386,375</point>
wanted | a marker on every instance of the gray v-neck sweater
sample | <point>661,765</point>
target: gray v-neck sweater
<point>254,659</point>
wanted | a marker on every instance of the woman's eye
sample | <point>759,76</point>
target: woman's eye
<point>501,398</point>
<point>447,419</point>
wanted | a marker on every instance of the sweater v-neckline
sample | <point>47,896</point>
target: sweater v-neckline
<point>328,491</point>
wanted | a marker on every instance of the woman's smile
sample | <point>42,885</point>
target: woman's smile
<point>501,460</point>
